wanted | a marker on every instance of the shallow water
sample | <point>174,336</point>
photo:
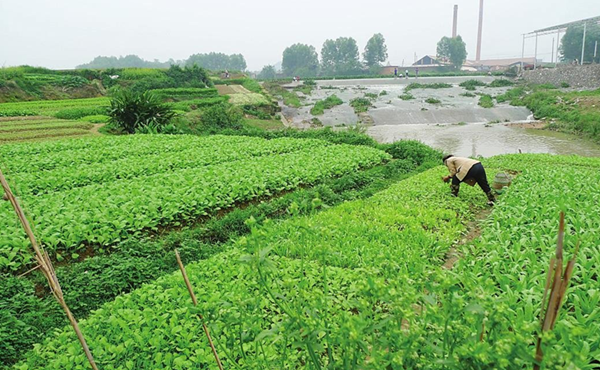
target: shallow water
<point>457,125</point>
<point>487,140</point>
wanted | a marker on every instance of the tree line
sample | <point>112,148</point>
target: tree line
<point>211,61</point>
<point>341,57</point>
<point>338,57</point>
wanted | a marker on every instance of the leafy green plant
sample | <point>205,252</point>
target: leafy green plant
<point>501,83</point>
<point>433,101</point>
<point>486,101</point>
<point>129,111</point>
<point>327,103</point>
<point>416,85</point>
<point>406,96</point>
<point>222,116</point>
<point>472,84</point>
<point>360,104</point>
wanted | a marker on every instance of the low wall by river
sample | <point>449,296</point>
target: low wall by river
<point>583,77</point>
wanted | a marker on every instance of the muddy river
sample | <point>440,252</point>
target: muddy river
<point>457,124</point>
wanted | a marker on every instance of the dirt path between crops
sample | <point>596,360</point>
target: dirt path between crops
<point>473,232</point>
<point>95,130</point>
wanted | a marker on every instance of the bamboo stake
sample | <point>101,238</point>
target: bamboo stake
<point>191,291</point>
<point>557,282</point>
<point>46,266</point>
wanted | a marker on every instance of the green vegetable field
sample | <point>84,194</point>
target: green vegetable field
<point>356,286</point>
<point>122,186</point>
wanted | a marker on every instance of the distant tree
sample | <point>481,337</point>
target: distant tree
<point>128,61</point>
<point>453,50</point>
<point>267,73</point>
<point>375,51</point>
<point>340,57</point>
<point>570,48</point>
<point>193,76</point>
<point>300,59</point>
<point>218,61</point>
<point>237,62</point>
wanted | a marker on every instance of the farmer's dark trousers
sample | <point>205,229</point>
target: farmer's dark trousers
<point>476,172</point>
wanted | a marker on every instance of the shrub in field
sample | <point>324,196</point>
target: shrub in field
<point>416,85</point>
<point>222,116</point>
<point>501,83</point>
<point>472,84</point>
<point>513,96</point>
<point>360,104</point>
<point>129,111</point>
<point>192,76</point>
<point>486,101</point>
<point>412,150</point>
<point>406,96</point>
<point>433,101</point>
<point>328,103</point>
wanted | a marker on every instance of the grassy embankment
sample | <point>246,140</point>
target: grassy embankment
<point>575,112</point>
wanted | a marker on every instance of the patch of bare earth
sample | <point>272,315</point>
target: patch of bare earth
<point>95,129</point>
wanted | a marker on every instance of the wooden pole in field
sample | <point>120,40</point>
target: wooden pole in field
<point>191,291</point>
<point>557,282</point>
<point>46,266</point>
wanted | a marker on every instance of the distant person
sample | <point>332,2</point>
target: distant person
<point>406,73</point>
<point>469,171</point>
<point>395,72</point>
<point>417,72</point>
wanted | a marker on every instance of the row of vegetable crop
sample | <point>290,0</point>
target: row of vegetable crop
<point>107,213</point>
<point>72,153</point>
<point>337,290</point>
<point>187,152</point>
<point>49,107</point>
<point>185,93</point>
<point>41,125</point>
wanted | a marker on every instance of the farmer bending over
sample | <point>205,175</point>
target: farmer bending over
<point>469,171</point>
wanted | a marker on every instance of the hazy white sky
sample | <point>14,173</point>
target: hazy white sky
<point>65,33</point>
